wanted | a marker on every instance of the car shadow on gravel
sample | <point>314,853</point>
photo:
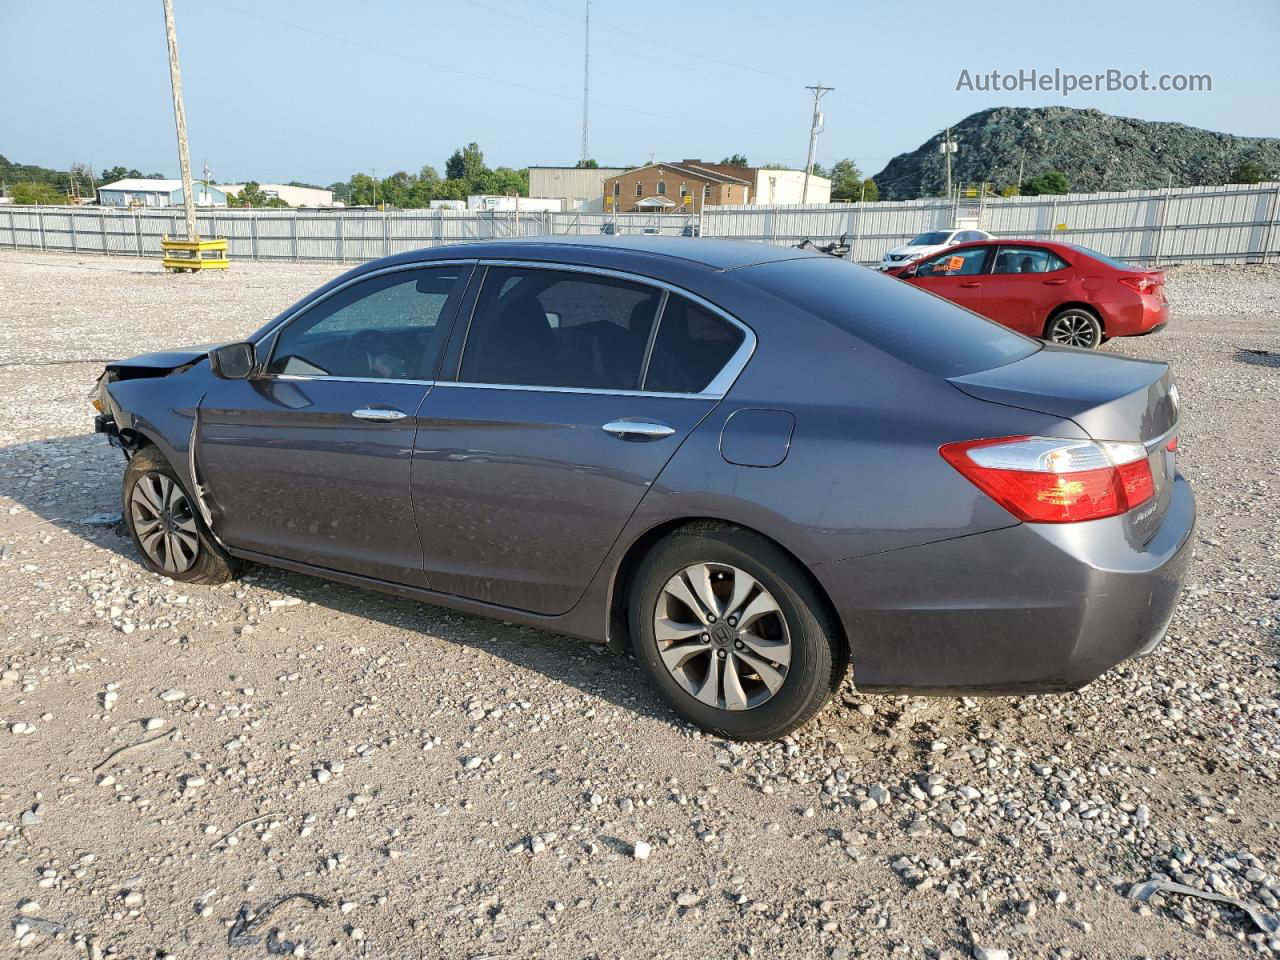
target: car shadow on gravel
<point>1257,358</point>
<point>72,483</point>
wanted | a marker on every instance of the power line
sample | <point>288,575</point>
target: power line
<point>643,38</point>
<point>382,51</point>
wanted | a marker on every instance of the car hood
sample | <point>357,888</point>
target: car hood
<point>164,359</point>
<point>912,251</point>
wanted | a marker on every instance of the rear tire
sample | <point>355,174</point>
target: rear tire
<point>1075,327</point>
<point>772,675</point>
<point>165,524</point>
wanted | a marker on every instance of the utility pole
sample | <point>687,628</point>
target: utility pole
<point>815,128</point>
<point>586,80</point>
<point>180,119</point>
<point>948,147</point>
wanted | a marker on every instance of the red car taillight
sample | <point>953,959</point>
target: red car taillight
<point>1051,480</point>
<point>1143,284</point>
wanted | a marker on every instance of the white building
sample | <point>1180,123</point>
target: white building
<point>775,187</point>
<point>508,204</point>
<point>135,192</point>
<point>293,196</point>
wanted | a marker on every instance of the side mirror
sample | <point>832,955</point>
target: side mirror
<point>910,271</point>
<point>235,361</point>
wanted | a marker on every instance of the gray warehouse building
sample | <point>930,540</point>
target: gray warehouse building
<point>581,188</point>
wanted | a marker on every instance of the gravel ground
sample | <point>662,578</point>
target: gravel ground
<point>174,759</point>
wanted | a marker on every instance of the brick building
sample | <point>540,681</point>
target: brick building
<point>687,186</point>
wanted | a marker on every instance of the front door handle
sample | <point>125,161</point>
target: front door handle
<point>1056,282</point>
<point>971,284</point>
<point>378,415</point>
<point>638,429</point>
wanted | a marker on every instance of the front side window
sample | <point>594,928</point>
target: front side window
<point>954,263</point>
<point>559,328</point>
<point>1027,260</point>
<point>386,327</point>
<point>692,346</point>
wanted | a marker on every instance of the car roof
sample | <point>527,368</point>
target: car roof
<point>714,254</point>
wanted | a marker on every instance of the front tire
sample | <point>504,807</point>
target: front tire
<point>167,530</point>
<point>732,634</point>
<point>1075,327</point>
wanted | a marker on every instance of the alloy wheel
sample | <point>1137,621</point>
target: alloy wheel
<point>1074,329</point>
<point>164,522</point>
<point>722,636</point>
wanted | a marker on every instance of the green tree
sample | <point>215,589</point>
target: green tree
<point>587,165</point>
<point>40,193</point>
<point>467,163</point>
<point>251,195</point>
<point>870,191</point>
<point>735,160</point>
<point>1051,181</point>
<point>1248,171</point>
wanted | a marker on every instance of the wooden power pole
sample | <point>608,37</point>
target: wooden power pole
<point>180,119</point>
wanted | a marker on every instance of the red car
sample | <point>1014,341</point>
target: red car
<point>1056,291</point>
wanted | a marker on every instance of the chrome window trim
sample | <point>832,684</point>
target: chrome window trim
<point>306,377</point>
<point>715,390</point>
<point>594,391</point>
<point>274,330</point>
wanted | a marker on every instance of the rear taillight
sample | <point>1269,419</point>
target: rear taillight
<point>1051,480</point>
<point>1143,284</point>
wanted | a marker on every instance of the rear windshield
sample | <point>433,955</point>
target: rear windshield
<point>910,325</point>
<point>1109,261</point>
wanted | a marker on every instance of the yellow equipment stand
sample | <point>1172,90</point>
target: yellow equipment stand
<point>195,254</point>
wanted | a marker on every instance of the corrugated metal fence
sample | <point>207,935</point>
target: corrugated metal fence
<point>1213,224</point>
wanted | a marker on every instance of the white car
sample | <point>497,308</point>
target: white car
<point>927,243</point>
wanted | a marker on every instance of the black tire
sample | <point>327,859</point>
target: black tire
<point>207,562</point>
<point>818,658</point>
<point>1075,327</point>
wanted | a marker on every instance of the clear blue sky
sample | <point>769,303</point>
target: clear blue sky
<point>290,90</point>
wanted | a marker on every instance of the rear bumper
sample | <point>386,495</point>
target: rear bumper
<point>1031,608</point>
<point>1142,314</point>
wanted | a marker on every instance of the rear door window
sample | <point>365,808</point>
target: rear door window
<point>1013,259</point>
<point>559,328</point>
<point>901,320</point>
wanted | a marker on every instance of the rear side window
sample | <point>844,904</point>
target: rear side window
<point>692,346</point>
<point>559,328</point>
<point>927,332</point>
<point>1027,260</point>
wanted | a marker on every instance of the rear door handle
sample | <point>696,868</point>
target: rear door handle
<point>378,415</point>
<point>638,429</point>
<point>971,283</point>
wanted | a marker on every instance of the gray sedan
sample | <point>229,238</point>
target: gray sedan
<point>750,466</point>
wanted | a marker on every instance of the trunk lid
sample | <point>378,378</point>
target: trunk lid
<point>1109,397</point>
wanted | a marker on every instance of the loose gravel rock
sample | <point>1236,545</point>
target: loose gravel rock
<point>443,785</point>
